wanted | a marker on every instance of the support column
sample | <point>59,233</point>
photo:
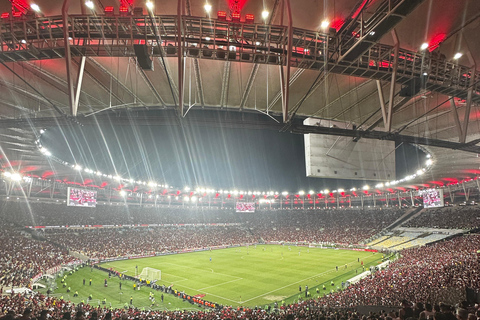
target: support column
<point>452,195</point>
<point>466,191</point>
<point>286,81</point>
<point>411,197</point>
<point>68,57</point>
<point>399,199</point>
<point>180,56</point>
<point>394,78</point>
<point>453,107</point>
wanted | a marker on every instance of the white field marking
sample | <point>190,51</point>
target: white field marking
<point>320,274</point>
<point>175,276</point>
<point>220,284</point>
<point>197,269</point>
<point>214,295</point>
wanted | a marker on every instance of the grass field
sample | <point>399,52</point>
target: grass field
<point>234,276</point>
<point>253,276</point>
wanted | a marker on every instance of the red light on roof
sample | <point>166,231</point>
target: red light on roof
<point>249,18</point>
<point>109,10</point>
<point>5,15</point>
<point>123,9</point>
<point>236,16</point>
<point>17,14</point>
<point>222,15</point>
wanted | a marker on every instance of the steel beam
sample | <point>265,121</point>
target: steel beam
<point>393,80</point>
<point>468,106</point>
<point>68,57</point>
<point>453,107</point>
<point>180,56</point>
<point>286,87</point>
<point>79,81</point>
<point>382,102</point>
<point>225,84</point>
<point>251,81</point>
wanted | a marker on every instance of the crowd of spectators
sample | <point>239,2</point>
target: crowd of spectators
<point>346,227</point>
<point>42,308</point>
<point>22,258</point>
<point>433,273</point>
<point>458,217</point>
<point>112,243</point>
<point>438,272</point>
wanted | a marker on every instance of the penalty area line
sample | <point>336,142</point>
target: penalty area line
<point>220,284</point>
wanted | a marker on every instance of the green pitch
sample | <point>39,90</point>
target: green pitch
<point>253,276</point>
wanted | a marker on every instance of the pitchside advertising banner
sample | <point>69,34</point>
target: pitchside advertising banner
<point>245,207</point>
<point>432,198</point>
<point>81,198</point>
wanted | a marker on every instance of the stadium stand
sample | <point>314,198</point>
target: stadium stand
<point>432,273</point>
<point>458,217</point>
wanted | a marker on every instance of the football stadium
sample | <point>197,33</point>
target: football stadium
<point>239,159</point>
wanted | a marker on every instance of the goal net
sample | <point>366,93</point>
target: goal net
<point>150,274</point>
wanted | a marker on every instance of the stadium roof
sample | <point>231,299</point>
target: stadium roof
<point>335,72</point>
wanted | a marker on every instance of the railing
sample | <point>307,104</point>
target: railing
<point>42,38</point>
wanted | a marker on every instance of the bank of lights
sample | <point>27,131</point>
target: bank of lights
<point>14,176</point>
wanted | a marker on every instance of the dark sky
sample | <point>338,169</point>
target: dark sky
<point>202,154</point>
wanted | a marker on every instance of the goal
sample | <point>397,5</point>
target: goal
<point>150,274</point>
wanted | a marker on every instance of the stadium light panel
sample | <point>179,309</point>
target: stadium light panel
<point>149,5</point>
<point>324,25</point>
<point>236,16</point>
<point>89,4</point>
<point>5,15</point>
<point>457,55</point>
<point>249,18</point>
<point>123,10</point>
<point>222,15</point>
<point>424,46</point>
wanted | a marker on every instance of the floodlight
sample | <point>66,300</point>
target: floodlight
<point>324,24</point>
<point>424,46</point>
<point>265,14</point>
<point>457,55</point>
<point>89,4</point>
<point>149,5</point>
<point>207,7</point>
<point>16,176</point>
<point>35,7</point>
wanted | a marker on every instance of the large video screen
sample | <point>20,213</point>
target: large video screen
<point>245,207</point>
<point>432,198</point>
<point>81,198</point>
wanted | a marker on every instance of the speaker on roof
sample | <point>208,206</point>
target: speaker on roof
<point>143,59</point>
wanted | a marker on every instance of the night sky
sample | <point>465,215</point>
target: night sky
<point>208,154</point>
